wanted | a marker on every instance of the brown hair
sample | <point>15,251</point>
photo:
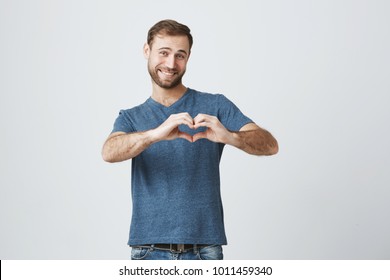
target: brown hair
<point>169,27</point>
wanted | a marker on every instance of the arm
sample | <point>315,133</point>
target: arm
<point>251,138</point>
<point>255,140</point>
<point>122,146</point>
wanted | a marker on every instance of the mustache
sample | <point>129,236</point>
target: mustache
<point>167,69</point>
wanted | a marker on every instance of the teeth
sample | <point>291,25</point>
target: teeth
<point>167,73</point>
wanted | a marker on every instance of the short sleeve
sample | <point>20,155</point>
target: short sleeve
<point>123,123</point>
<point>230,115</point>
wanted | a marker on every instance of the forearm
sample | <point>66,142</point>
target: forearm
<point>256,142</point>
<point>123,146</point>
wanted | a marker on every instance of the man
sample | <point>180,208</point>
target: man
<point>175,140</point>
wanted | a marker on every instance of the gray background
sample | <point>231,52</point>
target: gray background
<point>315,73</point>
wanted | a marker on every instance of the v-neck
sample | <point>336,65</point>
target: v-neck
<point>178,102</point>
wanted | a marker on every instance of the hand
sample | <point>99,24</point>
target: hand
<point>215,132</point>
<point>169,130</point>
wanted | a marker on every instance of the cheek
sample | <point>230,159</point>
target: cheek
<point>182,65</point>
<point>153,63</point>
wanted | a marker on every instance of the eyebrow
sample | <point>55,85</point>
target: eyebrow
<point>166,48</point>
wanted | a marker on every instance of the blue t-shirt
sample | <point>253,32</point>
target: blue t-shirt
<point>176,184</point>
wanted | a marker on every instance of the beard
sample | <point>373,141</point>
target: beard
<point>166,83</point>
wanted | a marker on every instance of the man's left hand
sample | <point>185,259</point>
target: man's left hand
<point>215,132</point>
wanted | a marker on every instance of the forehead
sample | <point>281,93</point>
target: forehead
<point>175,43</point>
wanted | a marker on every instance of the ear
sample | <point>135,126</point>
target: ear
<point>146,50</point>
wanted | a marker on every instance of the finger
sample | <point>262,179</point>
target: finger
<point>201,118</point>
<point>185,136</point>
<point>186,119</point>
<point>205,120</point>
<point>202,124</point>
<point>178,120</point>
<point>185,122</point>
<point>199,135</point>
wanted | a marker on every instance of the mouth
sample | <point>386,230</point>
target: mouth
<point>166,74</point>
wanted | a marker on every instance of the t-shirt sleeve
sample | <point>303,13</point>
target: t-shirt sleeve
<point>123,123</point>
<point>230,115</point>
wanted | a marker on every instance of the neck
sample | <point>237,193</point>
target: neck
<point>167,97</point>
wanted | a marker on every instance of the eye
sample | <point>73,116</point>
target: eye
<point>163,53</point>
<point>180,56</point>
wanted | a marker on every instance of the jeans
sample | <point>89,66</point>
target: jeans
<point>212,252</point>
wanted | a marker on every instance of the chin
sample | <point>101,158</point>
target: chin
<point>167,85</point>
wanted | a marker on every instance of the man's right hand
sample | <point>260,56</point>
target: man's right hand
<point>121,146</point>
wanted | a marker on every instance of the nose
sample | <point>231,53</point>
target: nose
<point>170,61</point>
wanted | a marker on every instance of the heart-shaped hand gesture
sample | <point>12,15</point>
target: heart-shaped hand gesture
<point>169,130</point>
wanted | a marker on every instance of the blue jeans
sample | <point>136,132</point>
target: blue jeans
<point>212,252</point>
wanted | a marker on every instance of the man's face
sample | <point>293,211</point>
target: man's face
<point>167,59</point>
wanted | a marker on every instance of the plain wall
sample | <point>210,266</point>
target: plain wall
<point>314,73</point>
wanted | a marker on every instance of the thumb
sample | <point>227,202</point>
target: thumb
<point>186,136</point>
<point>199,135</point>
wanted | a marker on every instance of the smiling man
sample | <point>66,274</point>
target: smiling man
<point>175,140</point>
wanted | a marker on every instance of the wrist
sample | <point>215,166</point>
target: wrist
<point>234,139</point>
<point>151,137</point>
